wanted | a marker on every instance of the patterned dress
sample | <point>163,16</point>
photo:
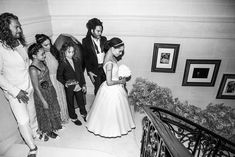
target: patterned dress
<point>48,119</point>
<point>52,65</point>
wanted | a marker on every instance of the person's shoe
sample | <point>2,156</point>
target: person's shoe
<point>33,152</point>
<point>77,122</point>
<point>84,118</point>
<point>52,135</point>
<point>44,137</point>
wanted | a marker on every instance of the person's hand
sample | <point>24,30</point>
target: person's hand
<point>84,89</point>
<point>22,96</point>
<point>77,88</point>
<point>123,80</point>
<point>92,75</point>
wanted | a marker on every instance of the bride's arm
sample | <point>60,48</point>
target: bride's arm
<point>109,80</point>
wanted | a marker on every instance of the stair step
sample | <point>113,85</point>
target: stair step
<point>20,150</point>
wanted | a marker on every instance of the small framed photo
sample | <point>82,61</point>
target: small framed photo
<point>165,57</point>
<point>200,72</point>
<point>227,87</point>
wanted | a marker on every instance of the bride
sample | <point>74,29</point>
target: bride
<point>110,114</point>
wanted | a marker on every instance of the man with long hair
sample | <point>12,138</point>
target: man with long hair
<point>93,52</point>
<point>15,79</point>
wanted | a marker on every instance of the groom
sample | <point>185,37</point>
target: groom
<point>93,45</point>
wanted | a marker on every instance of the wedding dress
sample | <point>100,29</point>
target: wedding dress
<point>110,114</point>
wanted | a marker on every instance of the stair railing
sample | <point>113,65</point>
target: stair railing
<point>166,134</point>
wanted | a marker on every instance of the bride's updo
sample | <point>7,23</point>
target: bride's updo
<point>114,42</point>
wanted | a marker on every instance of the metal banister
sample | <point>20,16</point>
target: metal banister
<point>168,134</point>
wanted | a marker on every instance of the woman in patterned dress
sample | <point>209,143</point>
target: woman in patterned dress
<point>52,58</point>
<point>45,98</point>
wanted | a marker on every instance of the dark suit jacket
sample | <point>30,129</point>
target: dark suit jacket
<point>89,53</point>
<point>65,72</point>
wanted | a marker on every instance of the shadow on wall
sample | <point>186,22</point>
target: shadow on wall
<point>63,38</point>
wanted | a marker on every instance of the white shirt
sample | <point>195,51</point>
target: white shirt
<point>14,74</point>
<point>100,55</point>
<point>71,63</point>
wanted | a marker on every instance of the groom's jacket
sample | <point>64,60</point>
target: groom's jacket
<point>89,53</point>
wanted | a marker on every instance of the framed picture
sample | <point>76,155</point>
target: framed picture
<point>200,72</point>
<point>227,87</point>
<point>165,57</point>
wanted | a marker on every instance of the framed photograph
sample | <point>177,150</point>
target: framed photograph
<point>200,72</point>
<point>165,57</point>
<point>227,87</point>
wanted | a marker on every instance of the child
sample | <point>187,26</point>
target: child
<point>70,74</point>
<point>46,103</point>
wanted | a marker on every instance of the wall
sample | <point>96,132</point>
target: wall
<point>34,17</point>
<point>205,29</point>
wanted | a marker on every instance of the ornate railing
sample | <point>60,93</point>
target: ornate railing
<point>166,134</point>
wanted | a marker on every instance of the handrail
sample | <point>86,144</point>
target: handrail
<point>174,146</point>
<point>180,134</point>
<point>192,123</point>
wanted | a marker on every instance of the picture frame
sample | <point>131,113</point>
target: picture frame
<point>200,72</point>
<point>165,57</point>
<point>227,87</point>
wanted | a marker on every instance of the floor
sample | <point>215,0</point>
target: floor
<point>76,138</point>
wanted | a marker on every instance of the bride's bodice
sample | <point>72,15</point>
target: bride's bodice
<point>114,70</point>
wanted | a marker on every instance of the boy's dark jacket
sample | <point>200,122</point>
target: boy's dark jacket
<point>65,72</point>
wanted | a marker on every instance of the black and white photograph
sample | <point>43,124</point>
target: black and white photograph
<point>200,72</point>
<point>165,57</point>
<point>227,87</point>
<point>117,78</point>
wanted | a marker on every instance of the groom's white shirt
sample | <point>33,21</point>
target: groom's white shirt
<point>14,75</point>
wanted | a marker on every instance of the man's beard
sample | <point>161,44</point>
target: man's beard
<point>20,37</point>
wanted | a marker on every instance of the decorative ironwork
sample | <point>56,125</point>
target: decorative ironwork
<point>152,144</point>
<point>158,141</point>
<point>199,141</point>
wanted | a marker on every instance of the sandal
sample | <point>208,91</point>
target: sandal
<point>33,152</point>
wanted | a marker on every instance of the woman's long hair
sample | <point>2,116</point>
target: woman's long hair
<point>40,38</point>
<point>6,37</point>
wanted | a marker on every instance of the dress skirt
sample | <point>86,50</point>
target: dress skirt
<point>110,114</point>
<point>61,98</point>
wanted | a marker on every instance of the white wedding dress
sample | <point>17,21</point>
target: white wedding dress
<point>110,114</point>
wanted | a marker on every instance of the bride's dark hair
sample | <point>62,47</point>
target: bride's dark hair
<point>115,43</point>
